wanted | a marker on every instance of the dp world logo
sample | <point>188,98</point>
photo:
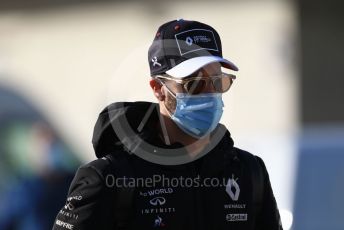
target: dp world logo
<point>158,201</point>
<point>233,189</point>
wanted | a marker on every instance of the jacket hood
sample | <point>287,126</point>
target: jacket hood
<point>121,122</point>
<point>122,119</point>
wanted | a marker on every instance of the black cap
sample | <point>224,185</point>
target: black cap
<point>181,47</point>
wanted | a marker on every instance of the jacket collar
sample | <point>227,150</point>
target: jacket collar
<point>122,122</point>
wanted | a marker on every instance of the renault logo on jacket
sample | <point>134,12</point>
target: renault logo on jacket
<point>233,189</point>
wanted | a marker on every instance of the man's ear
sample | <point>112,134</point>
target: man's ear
<point>157,89</point>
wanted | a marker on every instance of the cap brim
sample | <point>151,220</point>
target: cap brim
<point>189,66</point>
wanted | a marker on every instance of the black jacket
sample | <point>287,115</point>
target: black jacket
<point>227,188</point>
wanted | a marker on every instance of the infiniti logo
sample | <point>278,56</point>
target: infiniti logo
<point>158,201</point>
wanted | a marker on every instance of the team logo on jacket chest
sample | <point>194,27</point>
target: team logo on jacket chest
<point>155,192</point>
<point>233,189</point>
<point>158,222</point>
<point>237,212</point>
<point>156,201</point>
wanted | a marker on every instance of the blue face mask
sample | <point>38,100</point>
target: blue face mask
<point>198,115</point>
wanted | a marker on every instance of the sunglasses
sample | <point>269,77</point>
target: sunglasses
<point>196,85</point>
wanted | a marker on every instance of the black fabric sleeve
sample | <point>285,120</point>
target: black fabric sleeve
<point>90,201</point>
<point>269,218</point>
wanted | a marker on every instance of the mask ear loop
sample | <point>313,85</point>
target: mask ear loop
<point>162,123</point>
<point>169,91</point>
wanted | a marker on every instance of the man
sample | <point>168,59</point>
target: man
<point>171,165</point>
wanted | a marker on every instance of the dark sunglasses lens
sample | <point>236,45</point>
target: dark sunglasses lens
<point>222,84</point>
<point>195,86</point>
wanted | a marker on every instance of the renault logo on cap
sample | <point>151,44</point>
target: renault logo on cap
<point>189,41</point>
<point>195,40</point>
